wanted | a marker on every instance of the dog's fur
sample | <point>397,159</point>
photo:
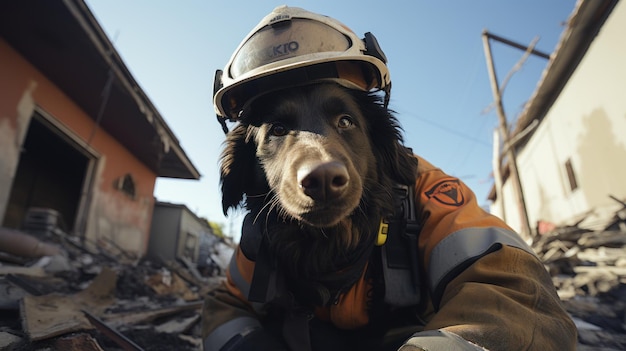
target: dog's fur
<point>317,164</point>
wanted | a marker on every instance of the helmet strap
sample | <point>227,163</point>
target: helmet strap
<point>387,95</point>
<point>217,85</point>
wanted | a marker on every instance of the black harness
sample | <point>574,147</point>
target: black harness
<point>399,253</point>
<point>396,238</point>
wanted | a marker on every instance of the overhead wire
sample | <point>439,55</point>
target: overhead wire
<point>468,86</point>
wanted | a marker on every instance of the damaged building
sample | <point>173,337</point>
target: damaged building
<point>568,195</point>
<point>81,144</point>
<point>85,259</point>
<point>570,139</point>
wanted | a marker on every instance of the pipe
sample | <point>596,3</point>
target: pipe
<point>21,244</point>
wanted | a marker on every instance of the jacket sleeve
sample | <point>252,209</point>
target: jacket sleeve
<point>488,288</point>
<point>229,321</point>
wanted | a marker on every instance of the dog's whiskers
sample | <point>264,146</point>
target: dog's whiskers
<point>323,233</point>
<point>258,195</point>
<point>269,205</point>
<point>361,209</point>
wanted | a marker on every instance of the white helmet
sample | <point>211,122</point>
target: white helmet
<point>291,47</point>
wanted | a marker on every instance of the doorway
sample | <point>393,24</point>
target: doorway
<point>51,174</point>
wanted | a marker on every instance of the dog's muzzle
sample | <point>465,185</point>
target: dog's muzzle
<point>324,181</point>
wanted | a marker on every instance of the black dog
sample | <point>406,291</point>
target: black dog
<point>316,166</point>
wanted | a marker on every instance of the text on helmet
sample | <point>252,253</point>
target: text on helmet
<point>285,49</point>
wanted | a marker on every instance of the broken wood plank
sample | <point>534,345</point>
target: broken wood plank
<point>51,315</point>
<point>128,318</point>
<point>56,314</point>
<point>171,284</point>
<point>178,326</point>
<point>620,271</point>
<point>119,339</point>
<point>28,271</point>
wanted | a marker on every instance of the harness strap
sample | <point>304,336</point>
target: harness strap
<point>263,277</point>
<point>399,254</point>
<point>296,330</point>
<point>400,264</point>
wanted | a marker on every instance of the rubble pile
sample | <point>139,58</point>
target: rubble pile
<point>76,300</point>
<point>588,268</point>
<point>61,296</point>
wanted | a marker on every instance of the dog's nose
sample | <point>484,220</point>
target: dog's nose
<point>324,181</point>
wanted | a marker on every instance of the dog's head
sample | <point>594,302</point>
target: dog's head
<point>316,154</point>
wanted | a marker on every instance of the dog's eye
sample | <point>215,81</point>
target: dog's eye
<point>278,129</point>
<point>345,122</point>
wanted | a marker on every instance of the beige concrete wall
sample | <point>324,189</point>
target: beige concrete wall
<point>586,125</point>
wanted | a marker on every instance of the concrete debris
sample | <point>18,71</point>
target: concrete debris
<point>73,299</point>
<point>178,326</point>
<point>588,268</point>
<point>8,340</point>
<point>64,297</point>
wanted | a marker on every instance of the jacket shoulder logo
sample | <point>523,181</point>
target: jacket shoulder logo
<point>447,192</point>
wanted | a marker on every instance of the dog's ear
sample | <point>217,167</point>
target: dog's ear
<point>238,165</point>
<point>397,161</point>
<point>404,165</point>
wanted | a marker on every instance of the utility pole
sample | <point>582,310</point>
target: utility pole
<point>497,174</point>
<point>503,128</point>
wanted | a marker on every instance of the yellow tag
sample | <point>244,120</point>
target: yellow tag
<point>382,233</point>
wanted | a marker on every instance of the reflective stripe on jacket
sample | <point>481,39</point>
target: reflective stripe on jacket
<point>487,288</point>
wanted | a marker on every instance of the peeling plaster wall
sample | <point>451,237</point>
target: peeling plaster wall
<point>12,132</point>
<point>16,107</point>
<point>586,125</point>
<point>112,215</point>
<point>117,218</point>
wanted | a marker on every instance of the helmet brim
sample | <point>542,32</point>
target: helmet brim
<point>357,72</point>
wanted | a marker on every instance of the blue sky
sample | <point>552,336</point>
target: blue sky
<point>441,87</point>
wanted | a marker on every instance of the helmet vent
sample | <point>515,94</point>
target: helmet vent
<point>281,24</point>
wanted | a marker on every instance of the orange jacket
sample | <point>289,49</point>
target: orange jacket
<point>486,287</point>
